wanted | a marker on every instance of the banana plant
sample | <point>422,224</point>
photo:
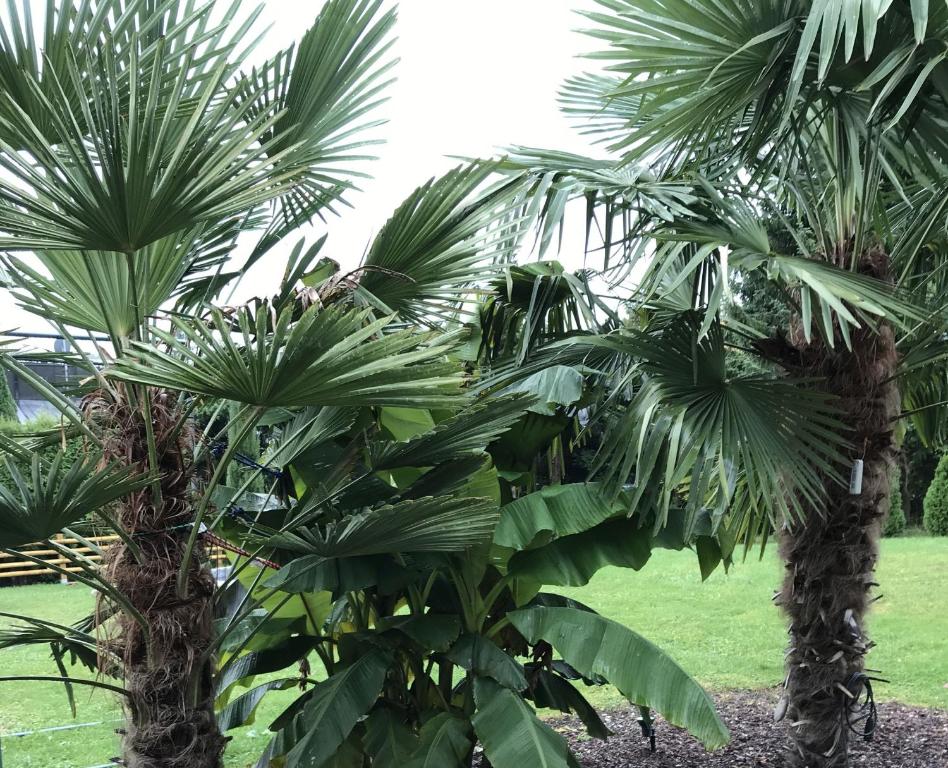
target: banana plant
<point>388,579</point>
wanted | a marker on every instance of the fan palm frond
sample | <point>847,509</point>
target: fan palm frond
<point>464,434</point>
<point>50,497</point>
<point>326,357</point>
<point>318,94</point>
<point>93,290</point>
<point>440,243</point>
<point>445,524</point>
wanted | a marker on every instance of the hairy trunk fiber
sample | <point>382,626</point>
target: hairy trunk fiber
<point>830,558</point>
<point>168,674</point>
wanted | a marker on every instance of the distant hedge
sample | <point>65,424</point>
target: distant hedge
<point>14,429</point>
<point>936,501</point>
<point>895,522</point>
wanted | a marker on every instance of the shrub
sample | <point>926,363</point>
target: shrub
<point>936,501</point>
<point>38,425</point>
<point>895,522</point>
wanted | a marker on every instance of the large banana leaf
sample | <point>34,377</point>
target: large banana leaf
<point>321,575</point>
<point>335,707</point>
<point>445,742</point>
<point>553,387</point>
<point>327,357</point>
<point>552,512</point>
<point>478,654</point>
<point>550,691</point>
<point>433,631</point>
<point>512,734</point>
<point>263,662</point>
<point>50,497</point>
<point>242,710</point>
<point>388,738</point>
<point>571,561</point>
<point>645,674</point>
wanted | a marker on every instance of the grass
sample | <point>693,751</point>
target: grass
<point>725,632</point>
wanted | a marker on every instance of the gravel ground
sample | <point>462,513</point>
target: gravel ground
<point>907,737</point>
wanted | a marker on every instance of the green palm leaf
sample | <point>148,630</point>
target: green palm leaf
<point>464,434</point>
<point>691,424</point>
<point>326,357</point>
<point>47,499</point>
<point>705,80</point>
<point>75,32</point>
<point>157,146</point>
<point>439,244</point>
<point>630,197</point>
<point>418,525</point>
<point>317,95</point>
<point>93,290</point>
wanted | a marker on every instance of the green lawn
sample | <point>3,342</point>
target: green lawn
<point>726,632</point>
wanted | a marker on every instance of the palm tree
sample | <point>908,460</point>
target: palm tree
<point>812,136</point>
<point>135,151</point>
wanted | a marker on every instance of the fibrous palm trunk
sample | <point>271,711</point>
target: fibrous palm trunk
<point>168,673</point>
<point>830,558</point>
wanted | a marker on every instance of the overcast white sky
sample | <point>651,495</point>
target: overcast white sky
<point>473,77</point>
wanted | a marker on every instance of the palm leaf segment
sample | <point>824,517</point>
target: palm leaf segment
<point>825,295</point>
<point>327,357</point>
<point>444,524</point>
<point>630,197</point>
<point>143,141</point>
<point>440,243</point>
<point>706,79</point>
<point>50,497</point>
<point>94,290</point>
<point>313,96</point>
<point>72,34</point>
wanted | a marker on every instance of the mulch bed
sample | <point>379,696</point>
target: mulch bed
<point>907,737</point>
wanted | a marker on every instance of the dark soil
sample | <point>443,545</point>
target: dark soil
<point>906,737</point>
